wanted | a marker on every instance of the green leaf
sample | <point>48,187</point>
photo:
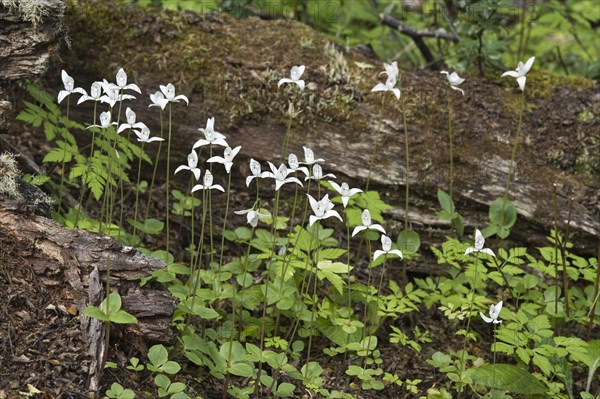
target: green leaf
<point>158,355</point>
<point>408,241</point>
<point>92,311</point>
<point>284,389</point>
<point>241,370</point>
<point>445,202</point>
<point>150,226</point>
<point>503,213</point>
<point>509,378</point>
<point>122,317</point>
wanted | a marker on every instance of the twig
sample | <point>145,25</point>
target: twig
<point>417,35</point>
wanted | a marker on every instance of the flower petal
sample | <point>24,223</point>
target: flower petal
<point>485,318</point>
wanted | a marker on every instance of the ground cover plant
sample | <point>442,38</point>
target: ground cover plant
<point>268,295</point>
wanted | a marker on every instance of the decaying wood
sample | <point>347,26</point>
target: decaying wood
<point>77,260</point>
<point>30,31</point>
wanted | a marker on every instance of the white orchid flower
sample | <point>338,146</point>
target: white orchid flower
<point>131,123</point>
<point>104,120</point>
<point>367,224</point>
<point>192,165</point>
<point>95,93</point>
<point>169,92</point>
<point>113,94</point>
<point>295,74</point>
<point>143,135</point>
<point>158,100</point>
<point>386,248</point>
<point>309,157</point>
<point>344,191</point>
<point>252,216</point>
<point>392,72</point>
<point>122,82</point>
<point>454,81</point>
<point>255,169</point>
<point>211,136</point>
<point>70,88</point>
<point>317,173</point>
<point>322,209</point>
<point>494,313</point>
<point>294,165</point>
<point>520,72</point>
<point>208,183</point>
<point>280,176</point>
<point>227,158</point>
<point>479,242</point>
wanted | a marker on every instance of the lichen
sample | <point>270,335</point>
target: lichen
<point>9,174</point>
<point>33,11</point>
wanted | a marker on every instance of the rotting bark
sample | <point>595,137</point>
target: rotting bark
<point>76,260</point>
<point>30,31</point>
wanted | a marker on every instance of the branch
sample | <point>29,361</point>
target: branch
<point>414,33</point>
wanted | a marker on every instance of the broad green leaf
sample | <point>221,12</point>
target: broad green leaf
<point>241,370</point>
<point>509,378</point>
<point>408,241</point>
<point>92,311</point>
<point>445,202</point>
<point>122,317</point>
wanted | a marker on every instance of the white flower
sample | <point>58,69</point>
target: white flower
<point>391,70</point>
<point>158,100</point>
<point>280,176</point>
<point>104,120</point>
<point>70,88</point>
<point>192,165</point>
<point>95,93</point>
<point>144,136</point>
<point>295,75</point>
<point>294,165</point>
<point>309,157</point>
<point>208,183</point>
<point>252,216</point>
<point>345,191</point>
<point>210,135</point>
<point>169,93</point>
<point>479,241</point>
<point>131,123</point>
<point>322,209</point>
<point>256,172</point>
<point>367,224</point>
<point>386,245</point>
<point>494,313</point>
<point>454,81</point>
<point>227,158</point>
<point>122,82</point>
<point>113,94</point>
<point>520,72</point>
<point>317,173</point>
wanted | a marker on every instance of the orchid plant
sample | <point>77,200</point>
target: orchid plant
<point>247,314</point>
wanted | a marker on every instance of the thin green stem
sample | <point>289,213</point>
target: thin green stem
<point>286,138</point>
<point>167,195</point>
<point>451,144</point>
<point>62,176</point>
<point>155,169</point>
<point>375,143</point>
<point>516,142</point>
<point>80,203</point>
<point>406,155</point>
<point>224,224</point>
<point>137,192</point>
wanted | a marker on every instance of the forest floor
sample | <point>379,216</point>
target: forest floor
<point>40,338</point>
